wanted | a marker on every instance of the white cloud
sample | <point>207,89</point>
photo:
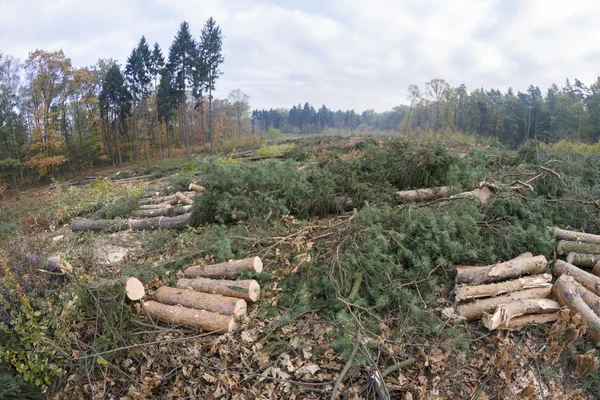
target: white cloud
<point>344,53</point>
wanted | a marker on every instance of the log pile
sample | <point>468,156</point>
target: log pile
<point>508,295</point>
<point>200,302</point>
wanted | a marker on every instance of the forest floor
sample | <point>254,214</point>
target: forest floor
<point>74,336</point>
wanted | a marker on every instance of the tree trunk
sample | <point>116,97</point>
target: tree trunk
<point>118,143</point>
<point>135,138</point>
<point>198,319</point>
<point>574,236</point>
<point>475,309</point>
<point>202,124</point>
<point>497,272</point>
<point>494,289</point>
<point>565,291</point>
<point>505,312</point>
<point>168,139</point>
<point>210,127</point>
<point>229,270</point>
<point>248,290</point>
<point>583,260</point>
<point>201,301</point>
<point>596,269</point>
<point>164,199</point>
<point>589,281</point>
<point>165,212</point>
<point>183,198</point>
<point>196,188</point>
<point>160,206</point>
<point>81,225</point>
<point>519,323</point>
<point>564,247</point>
<point>425,194</point>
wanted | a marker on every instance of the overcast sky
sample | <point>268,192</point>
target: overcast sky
<point>348,54</point>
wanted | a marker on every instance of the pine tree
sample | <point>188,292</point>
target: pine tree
<point>212,45</point>
<point>115,102</point>
<point>157,63</point>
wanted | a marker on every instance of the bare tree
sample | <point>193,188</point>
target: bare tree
<point>436,88</point>
<point>241,107</point>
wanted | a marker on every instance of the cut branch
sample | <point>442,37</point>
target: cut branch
<point>498,272</point>
<point>201,301</point>
<point>426,194</point>
<point>475,309</point>
<point>506,312</point>
<point>494,289</point>
<point>230,269</point>
<point>183,198</point>
<point>198,319</point>
<point>248,290</point>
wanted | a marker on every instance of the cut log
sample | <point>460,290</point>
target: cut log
<point>196,188</point>
<point>506,312</point>
<point>162,212</point>
<point>46,262</point>
<point>590,298</point>
<point>565,246</point>
<point>198,319</point>
<point>562,234</point>
<point>426,194</point>
<point>501,271</point>
<point>183,198</point>
<point>583,260</point>
<point>475,309</point>
<point>155,206</point>
<point>589,281</point>
<point>482,194</point>
<point>201,301</point>
<point>134,289</point>
<point>248,290</point>
<point>494,289</point>
<point>596,269</point>
<point>164,199</point>
<point>230,269</point>
<point>109,225</point>
<point>565,291</point>
<point>518,323</point>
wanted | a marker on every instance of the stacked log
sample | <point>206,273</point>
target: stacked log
<point>208,304</point>
<point>581,249</point>
<point>508,295</point>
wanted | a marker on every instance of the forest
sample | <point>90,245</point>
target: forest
<point>57,118</point>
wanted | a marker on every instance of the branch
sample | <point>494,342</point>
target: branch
<point>340,378</point>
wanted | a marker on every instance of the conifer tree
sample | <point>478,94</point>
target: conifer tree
<point>115,103</point>
<point>212,44</point>
<point>157,63</point>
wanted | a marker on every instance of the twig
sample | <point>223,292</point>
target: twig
<point>556,174</point>
<point>406,363</point>
<point>480,388</point>
<point>380,387</point>
<point>340,378</point>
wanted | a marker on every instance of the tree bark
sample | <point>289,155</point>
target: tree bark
<point>565,291</point>
<point>229,270</point>
<point>562,234</point>
<point>519,323</point>
<point>155,206</point>
<point>164,199</point>
<point>589,281</point>
<point>183,198</point>
<point>201,301</point>
<point>564,247</point>
<point>596,269</point>
<point>425,194</point>
<point>197,319</point>
<point>505,312</point>
<point>583,260</point>
<point>475,309</point>
<point>109,225</point>
<point>502,271</point>
<point>248,290</point>
<point>165,212</point>
<point>494,289</point>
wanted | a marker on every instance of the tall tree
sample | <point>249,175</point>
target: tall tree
<point>212,45</point>
<point>436,89</point>
<point>183,55</point>
<point>157,63</point>
<point>241,106</point>
<point>115,103</point>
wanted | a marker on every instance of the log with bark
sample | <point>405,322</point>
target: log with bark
<point>482,194</point>
<point>596,269</point>
<point>506,312</point>
<point>46,262</point>
<point>155,206</point>
<point>109,225</point>
<point>497,272</point>
<point>426,194</point>
<point>189,317</point>
<point>518,323</point>
<point>231,269</point>
<point>475,309</point>
<point>494,289</point>
<point>590,281</point>
<point>164,199</point>
<point>248,290</point>
<point>565,291</point>
<point>565,246</point>
<point>574,236</point>
<point>201,301</point>
<point>134,289</point>
<point>583,260</point>
<point>196,188</point>
<point>162,212</point>
<point>183,198</point>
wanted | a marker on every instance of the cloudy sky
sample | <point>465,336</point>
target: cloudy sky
<point>348,54</point>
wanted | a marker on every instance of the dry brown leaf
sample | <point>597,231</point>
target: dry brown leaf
<point>527,393</point>
<point>586,364</point>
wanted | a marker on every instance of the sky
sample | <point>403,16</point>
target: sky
<point>346,54</point>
